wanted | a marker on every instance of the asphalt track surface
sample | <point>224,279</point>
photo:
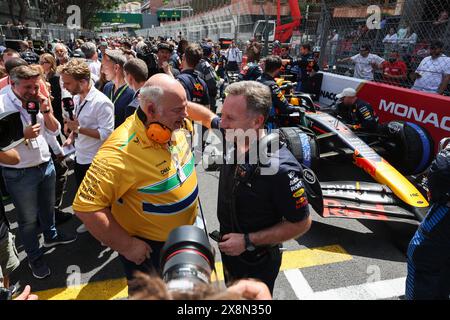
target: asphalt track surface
<point>336,259</point>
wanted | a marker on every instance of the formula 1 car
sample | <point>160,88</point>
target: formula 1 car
<point>389,163</point>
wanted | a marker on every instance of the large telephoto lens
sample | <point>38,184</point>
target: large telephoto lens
<point>187,259</point>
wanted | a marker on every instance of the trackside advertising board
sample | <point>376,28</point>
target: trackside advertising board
<point>431,111</point>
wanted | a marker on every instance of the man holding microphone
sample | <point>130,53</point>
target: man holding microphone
<point>31,182</point>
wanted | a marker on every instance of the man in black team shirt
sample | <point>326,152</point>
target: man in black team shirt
<point>195,87</point>
<point>257,208</point>
<point>354,112</point>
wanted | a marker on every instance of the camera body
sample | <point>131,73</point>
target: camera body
<point>11,130</point>
<point>187,259</point>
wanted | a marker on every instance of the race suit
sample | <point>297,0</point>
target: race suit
<point>429,250</point>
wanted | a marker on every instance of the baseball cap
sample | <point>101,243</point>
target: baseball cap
<point>165,45</point>
<point>347,92</point>
<point>207,49</point>
<point>116,56</point>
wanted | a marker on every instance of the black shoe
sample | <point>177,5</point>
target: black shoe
<point>61,216</point>
<point>59,239</point>
<point>39,268</point>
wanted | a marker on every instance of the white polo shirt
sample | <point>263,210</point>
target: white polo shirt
<point>363,65</point>
<point>95,112</point>
<point>432,72</point>
<point>34,151</point>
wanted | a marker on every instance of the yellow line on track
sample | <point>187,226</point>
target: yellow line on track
<point>117,288</point>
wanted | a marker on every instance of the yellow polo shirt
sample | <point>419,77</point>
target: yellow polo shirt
<point>150,188</point>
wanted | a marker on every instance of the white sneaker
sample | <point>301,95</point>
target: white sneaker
<point>82,229</point>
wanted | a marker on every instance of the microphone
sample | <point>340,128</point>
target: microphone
<point>68,106</point>
<point>33,109</point>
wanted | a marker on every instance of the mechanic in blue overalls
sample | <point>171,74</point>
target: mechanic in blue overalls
<point>354,112</point>
<point>252,70</point>
<point>305,67</point>
<point>429,250</point>
<point>280,105</point>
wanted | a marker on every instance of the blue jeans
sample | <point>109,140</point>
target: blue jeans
<point>32,192</point>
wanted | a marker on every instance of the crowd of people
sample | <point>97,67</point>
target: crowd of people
<point>394,54</point>
<point>117,105</point>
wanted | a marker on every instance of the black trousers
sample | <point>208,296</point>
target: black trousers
<point>61,180</point>
<point>232,66</point>
<point>80,172</point>
<point>265,269</point>
<point>150,266</point>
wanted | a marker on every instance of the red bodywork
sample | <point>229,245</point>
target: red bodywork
<point>284,32</point>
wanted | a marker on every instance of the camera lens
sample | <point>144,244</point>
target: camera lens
<point>187,259</point>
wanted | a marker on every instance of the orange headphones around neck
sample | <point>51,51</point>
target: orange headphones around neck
<point>156,131</point>
<point>159,133</point>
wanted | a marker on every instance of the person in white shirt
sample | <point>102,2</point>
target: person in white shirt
<point>234,58</point>
<point>390,41</point>
<point>433,73</point>
<point>407,41</point>
<point>365,63</point>
<point>333,39</point>
<point>31,182</point>
<point>93,119</point>
<point>391,37</point>
<point>90,52</point>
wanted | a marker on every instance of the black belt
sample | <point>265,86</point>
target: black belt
<point>44,164</point>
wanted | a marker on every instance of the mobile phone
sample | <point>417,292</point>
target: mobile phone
<point>216,236</point>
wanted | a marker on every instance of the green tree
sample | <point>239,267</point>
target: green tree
<point>55,10</point>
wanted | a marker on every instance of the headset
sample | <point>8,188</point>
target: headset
<point>156,131</point>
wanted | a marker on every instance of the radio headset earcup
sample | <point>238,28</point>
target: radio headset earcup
<point>159,133</point>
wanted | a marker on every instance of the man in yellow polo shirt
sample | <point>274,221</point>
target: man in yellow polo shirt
<point>142,183</point>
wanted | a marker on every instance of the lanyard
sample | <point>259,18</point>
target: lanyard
<point>118,95</point>
<point>81,108</point>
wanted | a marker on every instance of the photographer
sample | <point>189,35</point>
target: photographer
<point>256,212</point>
<point>31,182</point>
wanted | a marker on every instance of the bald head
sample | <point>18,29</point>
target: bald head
<point>163,99</point>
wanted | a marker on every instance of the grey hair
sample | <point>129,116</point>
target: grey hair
<point>150,94</point>
<point>89,49</point>
<point>257,95</point>
<point>59,44</point>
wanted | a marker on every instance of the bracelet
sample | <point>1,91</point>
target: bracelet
<point>78,130</point>
<point>46,111</point>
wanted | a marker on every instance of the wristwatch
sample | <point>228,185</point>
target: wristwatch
<point>249,246</point>
<point>78,130</point>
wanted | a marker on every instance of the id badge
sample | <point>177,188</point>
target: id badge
<point>34,144</point>
<point>181,174</point>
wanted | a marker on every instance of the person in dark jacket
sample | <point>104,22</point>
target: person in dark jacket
<point>356,113</point>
